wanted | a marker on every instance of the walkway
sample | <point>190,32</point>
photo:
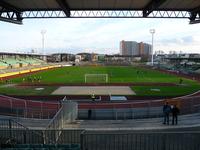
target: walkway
<point>185,121</point>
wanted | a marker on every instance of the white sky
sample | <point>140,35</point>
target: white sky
<point>98,35</point>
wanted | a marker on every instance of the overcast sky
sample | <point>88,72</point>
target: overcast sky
<point>98,35</point>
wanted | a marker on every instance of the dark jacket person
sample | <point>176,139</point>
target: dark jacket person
<point>175,112</point>
<point>166,111</point>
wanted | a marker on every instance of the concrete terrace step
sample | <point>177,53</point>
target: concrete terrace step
<point>185,121</point>
<point>31,123</point>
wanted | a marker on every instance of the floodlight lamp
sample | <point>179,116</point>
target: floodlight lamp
<point>43,32</point>
<point>152,31</point>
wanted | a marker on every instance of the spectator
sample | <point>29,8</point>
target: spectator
<point>89,114</point>
<point>166,112</point>
<point>175,112</point>
<point>93,97</point>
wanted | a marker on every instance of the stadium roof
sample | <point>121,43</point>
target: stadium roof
<point>21,54</point>
<point>16,10</point>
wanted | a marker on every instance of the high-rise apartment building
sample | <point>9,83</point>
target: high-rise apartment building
<point>135,49</point>
<point>144,49</point>
<point>129,48</point>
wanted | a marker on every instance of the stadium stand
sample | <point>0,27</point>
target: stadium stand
<point>3,65</point>
<point>32,61</point>
<point>186,63</point>
<point>9,72</point>
<point>17,60</point>
<point>11,61</point>
<point>27,139</point>
<point>21,62</point>
<point>197,71</point>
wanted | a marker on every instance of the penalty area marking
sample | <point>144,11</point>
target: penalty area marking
<point>97,90</point>
<point>155,90</point>
<point>39,89</point>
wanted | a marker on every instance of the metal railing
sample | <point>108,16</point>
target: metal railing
<point>27,136</point>
<point>137,110</point>
<point>66,114</point>
<point>11,129</point>
<point>141,141</point>
<point>23,108</point>
<point>57,122</point>
<point>102,140</point>
<point>67,136</point>
<point>52,133</point>
<point>113,140</point>
<point>132,111</point>
<point>11,124</point>
<point>28,113</point>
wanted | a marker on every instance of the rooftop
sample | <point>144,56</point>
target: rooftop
<point>16,10</point>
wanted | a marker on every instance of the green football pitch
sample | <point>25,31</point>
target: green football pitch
<point>117,74</point>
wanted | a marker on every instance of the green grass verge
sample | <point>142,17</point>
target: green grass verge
<point>26,90</point>
<point>165,90</point>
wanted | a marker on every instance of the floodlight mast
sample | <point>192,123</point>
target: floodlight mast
<point>152,31</point>
<point>43,32</point>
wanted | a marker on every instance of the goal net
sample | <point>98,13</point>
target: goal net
<point>96,78</point>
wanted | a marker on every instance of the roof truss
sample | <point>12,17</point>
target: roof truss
<point>9,13</point>
<point>65,7</point>
<point>195,16</point>
<point>153,5</point>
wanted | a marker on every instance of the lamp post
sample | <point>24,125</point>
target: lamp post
<point>152,31</point>
<point>43,32</point>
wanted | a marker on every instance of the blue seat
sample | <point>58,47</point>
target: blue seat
<point>49,146</point>
<point>22,146</point>
<point>63,146</point>
<point>40,148</point>
<point>18,149</point>
<point>36,145</point>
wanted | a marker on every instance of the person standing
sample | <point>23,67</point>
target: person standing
<point>89,114</point>
<point>166,112</point>
<point>175,112</point>
<point>93,97</point>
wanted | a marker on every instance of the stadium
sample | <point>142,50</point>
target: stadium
<point>48,104</point>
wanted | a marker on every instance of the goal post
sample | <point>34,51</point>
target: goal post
<point>96,78</point>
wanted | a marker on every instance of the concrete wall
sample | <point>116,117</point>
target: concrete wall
<point>115,114</point>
